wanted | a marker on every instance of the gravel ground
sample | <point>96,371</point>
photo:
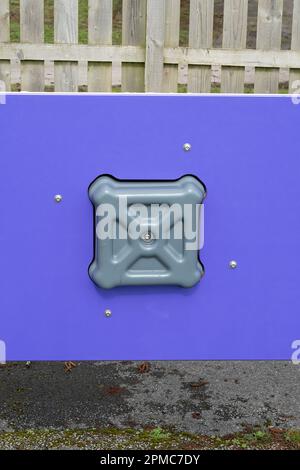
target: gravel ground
<point>200,398</point>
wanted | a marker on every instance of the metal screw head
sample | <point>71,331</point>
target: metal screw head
<point>187,147</point>
<point>147,237</point>
<point>233,264</point>
<point>107,313</point>
<point>58,198</point>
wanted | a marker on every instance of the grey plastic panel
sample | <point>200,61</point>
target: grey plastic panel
<point>150,259</point>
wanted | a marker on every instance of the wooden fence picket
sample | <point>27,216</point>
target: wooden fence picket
<point>234,37</point>
<point>134,34</point>
<point>32,31</point>
<point>269,25</point>
<point>172,31</point>
<point>200,37</point>
<point>100,32</point>
<point>295,46</point>
<point>155,37</point>
<point>66,32</point>
<point>4,37</point>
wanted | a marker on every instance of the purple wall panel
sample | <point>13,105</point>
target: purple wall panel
<point>245,150</point>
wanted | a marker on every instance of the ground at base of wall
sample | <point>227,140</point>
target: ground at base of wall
<point>156,439</point>
<point>143,404</point>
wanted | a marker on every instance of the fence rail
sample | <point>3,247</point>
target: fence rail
<point>150,55</point>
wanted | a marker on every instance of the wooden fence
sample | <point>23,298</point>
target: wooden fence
<point>150,54</point>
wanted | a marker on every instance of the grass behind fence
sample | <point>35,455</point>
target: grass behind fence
<point>83,21</point>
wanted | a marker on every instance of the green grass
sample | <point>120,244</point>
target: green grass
<point>294,437</point>
<point>49,21</point>
<point>15,20</point>
<point>83,21</point>
<point>158,434</point>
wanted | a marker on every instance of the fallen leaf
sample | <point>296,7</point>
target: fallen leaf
<point>144,367</point>
<point>199,384</point>
<point>113,390</point>
<point>69,365</point>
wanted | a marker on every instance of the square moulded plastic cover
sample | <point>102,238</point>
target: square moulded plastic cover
<point>146,232</point>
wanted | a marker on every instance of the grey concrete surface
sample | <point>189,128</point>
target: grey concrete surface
<point>211,398</point>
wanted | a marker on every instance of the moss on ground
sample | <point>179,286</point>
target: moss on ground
<point>157,438</point>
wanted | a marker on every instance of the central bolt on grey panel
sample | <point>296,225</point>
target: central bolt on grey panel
<point>146,232</point>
